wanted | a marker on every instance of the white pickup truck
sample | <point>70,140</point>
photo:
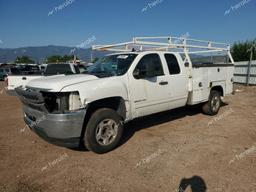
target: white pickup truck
<point>92,108</point>
<point>15,81</point>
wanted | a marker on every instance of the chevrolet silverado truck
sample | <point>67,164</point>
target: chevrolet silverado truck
<point>92,108</point>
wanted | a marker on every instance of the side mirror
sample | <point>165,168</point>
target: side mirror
<point>136,74</point>
<point>139,74</point>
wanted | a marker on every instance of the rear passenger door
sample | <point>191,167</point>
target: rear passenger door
<point>178,80</point>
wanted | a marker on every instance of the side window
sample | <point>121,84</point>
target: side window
<point>7,70</point>
<point>151,65</point>
<point>76,69</point>
<point>172,63</point>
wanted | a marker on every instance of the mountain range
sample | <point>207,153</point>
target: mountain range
<point>40,53</point>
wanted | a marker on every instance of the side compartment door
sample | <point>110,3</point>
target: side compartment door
<point>149,86</point>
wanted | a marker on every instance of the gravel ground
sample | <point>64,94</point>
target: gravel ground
<point>179,150</point>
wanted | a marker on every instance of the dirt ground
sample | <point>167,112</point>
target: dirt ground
<point>179,150</point>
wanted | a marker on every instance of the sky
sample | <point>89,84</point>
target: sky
<point>74,22</point>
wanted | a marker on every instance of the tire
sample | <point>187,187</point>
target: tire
<point>212,107</point>
<point>103,131</point>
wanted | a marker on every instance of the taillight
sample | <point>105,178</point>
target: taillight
<point>6,81</point>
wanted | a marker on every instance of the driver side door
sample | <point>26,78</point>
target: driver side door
<point>149,86</point>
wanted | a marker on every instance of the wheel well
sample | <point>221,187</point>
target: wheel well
<point>115,103</point>
<point>219,89</point>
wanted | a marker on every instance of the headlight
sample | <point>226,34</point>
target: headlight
<point>74,101</point>
<point>62,102</point>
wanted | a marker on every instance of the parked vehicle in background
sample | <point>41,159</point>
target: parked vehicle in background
<point>28,73</point>
<point>82,67</point>
<point>29,69</point>
<point>43,67</point>
<point>5,71</point>
<point>63,68</point>
<point>92,108</point>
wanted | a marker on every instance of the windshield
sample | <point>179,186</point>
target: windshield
<point>112,65</point>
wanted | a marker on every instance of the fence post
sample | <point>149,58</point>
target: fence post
<point>250,64</point>
<point>249,70</point>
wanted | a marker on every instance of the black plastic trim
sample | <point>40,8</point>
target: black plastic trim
<point>212,65</point>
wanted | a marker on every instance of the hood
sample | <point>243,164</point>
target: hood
<point>58,82</point>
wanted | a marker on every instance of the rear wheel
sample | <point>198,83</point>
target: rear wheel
<point>103,131</point>
<point>213,105</point>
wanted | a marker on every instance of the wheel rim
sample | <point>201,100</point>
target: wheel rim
<point>106,132</point>
<point>215,103</point>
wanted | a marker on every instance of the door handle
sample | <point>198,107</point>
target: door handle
<point>163,83</point>
<point>24,78</point>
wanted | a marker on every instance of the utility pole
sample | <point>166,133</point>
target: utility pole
<point>250,64</point>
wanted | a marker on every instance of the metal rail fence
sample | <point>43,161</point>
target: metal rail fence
<point>245,74</point>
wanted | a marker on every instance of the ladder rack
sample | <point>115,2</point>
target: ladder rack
<point>171,43</point>
<point>168,43</point>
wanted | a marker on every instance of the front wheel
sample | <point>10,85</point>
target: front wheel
<point>212,107</point>
<point>103,131</point>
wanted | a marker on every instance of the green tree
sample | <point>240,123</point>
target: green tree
<point>24,59</point>
<point>240,50</point>
<point>60,59</point>
<point>54,59</point>
<point>66,58</point>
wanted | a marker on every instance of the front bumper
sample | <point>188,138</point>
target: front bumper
<point>59,129</point>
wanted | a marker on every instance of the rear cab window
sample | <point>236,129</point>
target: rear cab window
<point>54,69</point>
<point>172,63</point>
